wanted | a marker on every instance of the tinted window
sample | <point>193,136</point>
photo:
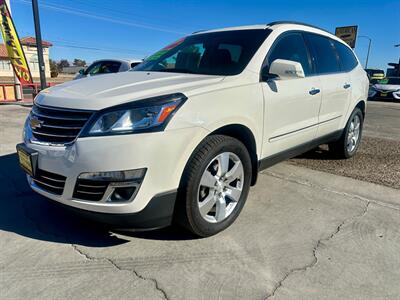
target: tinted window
<point>214,53</point>
<point>134,64</point>
<point>291,47</point>
<point>92,67</point>
<point>325,56</point>
<point>347,59</point>
<point>103,67</point>
<point>110,67</point>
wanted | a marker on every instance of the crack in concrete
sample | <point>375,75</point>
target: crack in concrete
<point>315,249</point>
<point>88,257</point>
<point>117,267</point>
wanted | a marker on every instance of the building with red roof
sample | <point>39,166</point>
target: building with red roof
<point>29,47</point>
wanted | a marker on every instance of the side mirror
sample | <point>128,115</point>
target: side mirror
<point>286,69</point>
<point>82,71</point>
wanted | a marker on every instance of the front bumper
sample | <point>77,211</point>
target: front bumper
<point>163,154</point>
<point>157,214</point>
<point>389,95</point>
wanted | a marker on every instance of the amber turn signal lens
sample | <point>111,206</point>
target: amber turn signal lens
<point>165,112</point>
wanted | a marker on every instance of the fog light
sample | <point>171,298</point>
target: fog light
<point>119,186</point>
<point>115,176</point>
<point>122,194</point>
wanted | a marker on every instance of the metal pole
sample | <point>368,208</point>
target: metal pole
<point>398,66</point>
<point>39,47</point>
<point>369,48</point>
<point>17,83</point>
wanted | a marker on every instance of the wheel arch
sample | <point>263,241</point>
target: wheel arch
<point>245,135</point>
<point>362,106</point>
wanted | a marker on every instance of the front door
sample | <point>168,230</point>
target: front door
<point>291,105</point>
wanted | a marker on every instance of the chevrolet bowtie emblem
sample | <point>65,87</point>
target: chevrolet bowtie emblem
<point>35,123</point>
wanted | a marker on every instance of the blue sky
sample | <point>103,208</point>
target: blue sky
<point>92,29</point>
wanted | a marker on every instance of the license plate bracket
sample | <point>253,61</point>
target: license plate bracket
<point>28,159</point>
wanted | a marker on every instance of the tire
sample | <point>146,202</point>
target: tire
<point>203,188</point>
<point>342,148</point>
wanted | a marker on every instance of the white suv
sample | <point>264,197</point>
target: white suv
<point>184,135</point>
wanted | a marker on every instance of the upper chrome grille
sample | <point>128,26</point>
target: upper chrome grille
<point>57,125</point>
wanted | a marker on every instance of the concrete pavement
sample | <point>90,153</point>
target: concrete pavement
<point>303,234</point>
<point>383,120</point>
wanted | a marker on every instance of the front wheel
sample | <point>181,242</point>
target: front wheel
<point>215,185</point>
<point>349,142</point>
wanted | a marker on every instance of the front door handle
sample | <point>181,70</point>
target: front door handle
<point>346,85</point>
<point>314,91</point>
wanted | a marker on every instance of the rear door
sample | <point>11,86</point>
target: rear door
<point>335,83</point>
<point>291,105</point>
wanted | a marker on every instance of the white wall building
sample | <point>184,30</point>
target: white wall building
<point>29,46</point>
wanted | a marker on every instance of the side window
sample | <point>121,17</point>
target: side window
<point>109,67</point>
<point>134,64</point>
<point>291,47</point>
<point>347,59</point>
<point>103,67</point>
<point>93,68</point>
<point>326,59</point>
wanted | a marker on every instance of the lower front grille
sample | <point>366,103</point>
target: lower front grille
<point>50,182</point>
<point>90,190</point>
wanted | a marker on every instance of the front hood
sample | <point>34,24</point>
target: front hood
<point>98,92</point>
<point>387,87</point>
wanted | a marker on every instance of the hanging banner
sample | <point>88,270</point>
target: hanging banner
<point>13,45</point>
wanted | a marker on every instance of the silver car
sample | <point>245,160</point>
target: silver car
<point>107,66</point>
<point>385,89</point>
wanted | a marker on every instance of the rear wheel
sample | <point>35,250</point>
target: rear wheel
<point>349,142</point>
<point>215,185</point>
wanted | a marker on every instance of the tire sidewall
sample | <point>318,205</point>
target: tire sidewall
<point>358,112</point>
<point>197,222</point>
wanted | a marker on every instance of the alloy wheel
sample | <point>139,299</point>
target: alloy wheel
<point>220,187</point>
<point>353,134</point>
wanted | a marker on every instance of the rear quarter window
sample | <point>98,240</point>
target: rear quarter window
<point>347,59</point>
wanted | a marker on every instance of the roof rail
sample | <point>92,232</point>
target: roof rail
<point>198,31</point>
<point>296,23</point>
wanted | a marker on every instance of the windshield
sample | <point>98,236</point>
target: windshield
<point>375,72</point>
<point>390,80</point>
<point>214,53</point>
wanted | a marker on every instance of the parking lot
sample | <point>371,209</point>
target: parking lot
<point>312,228</point>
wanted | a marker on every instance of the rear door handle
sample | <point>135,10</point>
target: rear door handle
<point>314,91</point>
<point>346,85</point>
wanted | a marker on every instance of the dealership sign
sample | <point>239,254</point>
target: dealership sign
<point>347,34</point>
<point>13,45</point>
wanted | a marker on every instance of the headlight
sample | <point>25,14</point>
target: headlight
<point>139,116</point>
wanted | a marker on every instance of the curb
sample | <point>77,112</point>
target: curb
<point>19,103</point>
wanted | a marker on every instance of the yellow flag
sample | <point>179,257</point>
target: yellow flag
<point>13,45</point>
